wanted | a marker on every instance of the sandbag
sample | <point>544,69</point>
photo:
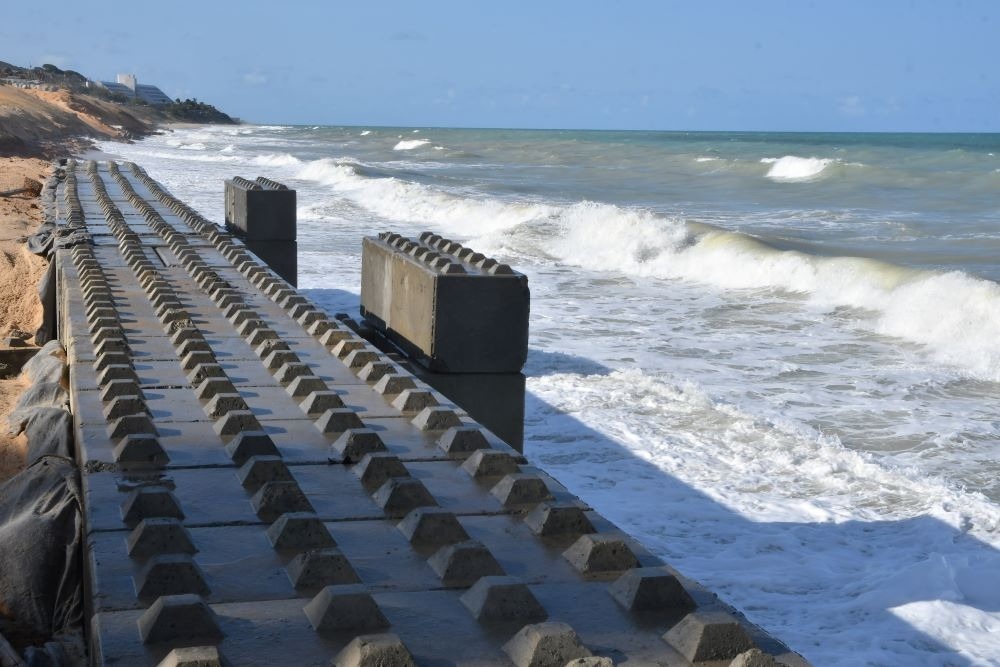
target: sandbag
<point>47,294</point>
<point>40,549</point>
<point>48,364</point>
<point>49,432</point>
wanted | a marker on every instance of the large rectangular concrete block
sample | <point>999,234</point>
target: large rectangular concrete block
<point>262,210</point>
<point>262,214</point>
<point>451,309</point>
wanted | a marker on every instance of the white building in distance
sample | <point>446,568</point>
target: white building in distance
<point>128,85</point>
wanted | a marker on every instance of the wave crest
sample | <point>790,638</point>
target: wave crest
<point>794,169</point>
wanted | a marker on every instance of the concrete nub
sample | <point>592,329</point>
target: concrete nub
<point>159,535</point>
<point>461,565</point>
<point>399,495</point>
<point>709,635</point>
<point>490,463</point>
<point>179,617</point>
<point>149,501</point>
<point>375,370</point>
<point>318,402</point>
<point>299,531</point>
<point>236,422</point>
<point>304,385</point>
<point>463,440</point>
<point>376,468</point>
<point>355,443</point>
<point>600,553</point>
<point>414,400</point>
<point>550,643</point>
<point>559,521</point>
<point>338,420</point>
<point>394,383</point>
<point>432,527</point>
<point>250,443</point>
<point>501,599</point>
<point>314,569</point>
<point>521,489</point>
<point>273,499</point>
<point>170,574</point>
<point>651,589</point>
<point>344,608</point>
<point>140,450</point>
<point>436,419</point>
<point>259,470</point>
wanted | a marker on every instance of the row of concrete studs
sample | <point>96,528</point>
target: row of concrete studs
<point>445,255</point>
<point>158,540</point>
<point>458,561</point>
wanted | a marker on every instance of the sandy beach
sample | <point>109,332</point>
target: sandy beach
<point>20,271</point>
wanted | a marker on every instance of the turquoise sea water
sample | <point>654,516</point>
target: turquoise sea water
<point>773,357</point>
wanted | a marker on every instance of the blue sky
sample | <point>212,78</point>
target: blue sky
<point>844,65</point>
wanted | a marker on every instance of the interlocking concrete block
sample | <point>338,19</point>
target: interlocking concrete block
<point>100,335</point>
<point>318,327</point>
<point>209,387</point>
<point>600,553</point>
<point>250,443</point>
<point>503,600</point>
<point>115,388</point>
<point>304,385</point>
<point>299,531</point>
<point>343,608</point>
<point>121,406</point>
<point>394,383</point>
<point>278,357</point>
<point>380,650</point>
<point>754,658</point>
<point>180,335</point>
<point>520,490</point>
<point>375,371</point>
<point>490,463</point>
<point>552,520</point>
<point>345,347</point>
<point>170,574</point>
<point>319,402</point>
<point>398,495</point>
<point>354,443</point>
<point>235,422</point>
<point>338,420</point>
<point>273,499</point>
<point>436,419</point>
<point>112,345</point>
<point>709,635</point>
<point>360,358</point>
<point>461,565</point>
<point>331,338</point>
<point>268,346</point>
<point>193,656</point>
<point>193,345</point>
<point>111,358</point>
<point>432,527</point>
<point>117,372</point>
<point>179,618</point>
<point>463,440</point>
<point>140,450</point>
<point>550,644</point>
<point>222,404</point>
<point>650,589</point>
<point>321,567</point>
<point>159,535</point>
<point>376,468</point>
<point>288,372</point>
<point>259,470</point>
<point>414,400</point>
<point>196,358</point>
<point>129,424</point>
<point>201,373</point>
<point>259,335</point>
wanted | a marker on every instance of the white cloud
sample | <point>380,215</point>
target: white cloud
<point>254,79</point>
<point>852,106</point>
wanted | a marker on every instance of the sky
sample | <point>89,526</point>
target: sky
<point>792,65</point>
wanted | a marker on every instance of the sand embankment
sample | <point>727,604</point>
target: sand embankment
<point>44,123</point>
<point>20,272</point>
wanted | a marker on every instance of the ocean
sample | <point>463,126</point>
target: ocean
<point>773,358</point>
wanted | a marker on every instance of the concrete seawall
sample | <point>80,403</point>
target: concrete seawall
<point>263,487</point>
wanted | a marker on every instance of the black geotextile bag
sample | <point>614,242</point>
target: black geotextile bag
<point>41,601</point>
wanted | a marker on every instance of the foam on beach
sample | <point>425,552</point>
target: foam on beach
<point>793,169</point>
<point>410,144</point>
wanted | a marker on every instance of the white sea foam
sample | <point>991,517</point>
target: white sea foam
<point>365,133</point>
<point>276,160</point>
<point>412,202</point>
<point>792,169</point>
<point>706,159</point>
<point>410,144</point>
